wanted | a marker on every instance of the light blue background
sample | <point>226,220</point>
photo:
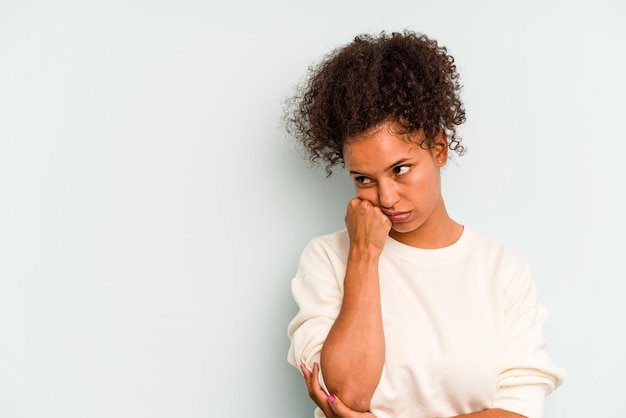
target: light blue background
<point>153,210</point>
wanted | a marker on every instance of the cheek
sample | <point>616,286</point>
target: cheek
<point>367,194</point>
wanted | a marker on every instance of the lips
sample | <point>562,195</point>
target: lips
<point>398,216</point>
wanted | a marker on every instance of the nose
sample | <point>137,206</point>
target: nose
<point>387,194</point>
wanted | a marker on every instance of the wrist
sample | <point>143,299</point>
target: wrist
<point>364,253</point>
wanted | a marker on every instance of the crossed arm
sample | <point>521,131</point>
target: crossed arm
<point>333,407</point>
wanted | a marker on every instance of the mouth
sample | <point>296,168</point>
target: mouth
<point>398,216</point>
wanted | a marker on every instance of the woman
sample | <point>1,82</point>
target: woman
<point>406,312</point>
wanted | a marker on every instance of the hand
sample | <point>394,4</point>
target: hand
<point>329,404</point>
<point>367,225</point>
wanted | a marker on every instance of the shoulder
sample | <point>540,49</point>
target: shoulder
<point>326,251</point>
<point>487,245</point>
<point>336,242</point>
<point>502,260</point>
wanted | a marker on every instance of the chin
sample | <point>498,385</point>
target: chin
<point>403,228</point>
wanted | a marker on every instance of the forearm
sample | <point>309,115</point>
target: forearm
<point>354,351</point>
<point>491,413</point>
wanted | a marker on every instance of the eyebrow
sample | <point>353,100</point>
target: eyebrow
<point>397,163</point>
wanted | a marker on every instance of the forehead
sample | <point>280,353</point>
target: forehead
<point>380,148</point>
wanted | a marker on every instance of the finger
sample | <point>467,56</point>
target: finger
<point>315,381</point>
<point>307,374</point>
<point>303,369</point>
<point>320,393</point>
<point>316,393</point>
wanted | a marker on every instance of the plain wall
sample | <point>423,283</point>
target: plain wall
<point>153,209</point>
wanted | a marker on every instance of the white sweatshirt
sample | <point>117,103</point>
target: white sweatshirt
<point>463,326</point>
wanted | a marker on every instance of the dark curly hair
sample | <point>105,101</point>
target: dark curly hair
<point>405,78</point>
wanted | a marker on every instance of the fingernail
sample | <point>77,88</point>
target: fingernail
<point>331,398</point>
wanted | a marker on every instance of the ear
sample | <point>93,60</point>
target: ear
<point>440,150</point>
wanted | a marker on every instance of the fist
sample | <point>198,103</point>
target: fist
<point>368,226</point>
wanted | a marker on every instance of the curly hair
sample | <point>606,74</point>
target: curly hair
<point>405,78</point>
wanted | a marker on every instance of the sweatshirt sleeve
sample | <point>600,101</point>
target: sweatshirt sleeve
<point>318,291</point>
<point>527,372</point>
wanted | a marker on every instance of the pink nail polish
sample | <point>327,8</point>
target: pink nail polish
<point>331,398</point>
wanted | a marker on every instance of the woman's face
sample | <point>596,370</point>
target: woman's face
<point>401,178</point>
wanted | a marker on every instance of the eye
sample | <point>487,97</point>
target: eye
<point>362,180</point>
<point>401,169</point>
